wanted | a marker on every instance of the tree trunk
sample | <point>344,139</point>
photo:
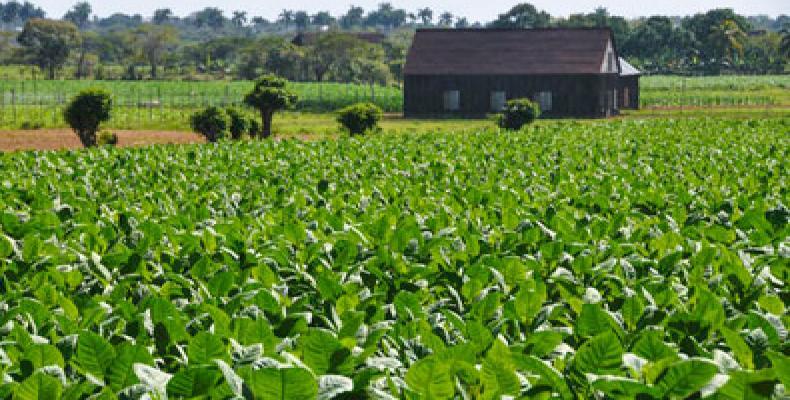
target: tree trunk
<point>52,72</point>
<point>81,64</point>
<point>266,116</point>
<point>88,139</point>
<point>153,70</point>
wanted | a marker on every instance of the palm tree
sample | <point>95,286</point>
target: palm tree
<point>286,17</point>
<point>239,18</point>
<point>425,15</point>
<point>446,19</point>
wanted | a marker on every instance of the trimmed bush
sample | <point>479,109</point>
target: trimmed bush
<point>239,124</point>
<point>107,138</point>
<point>253,127</point>
<point>269,96</point>
<point>359,118</point>
<point>86,111</point>
<point>212,122</point>
<point>517,113</point>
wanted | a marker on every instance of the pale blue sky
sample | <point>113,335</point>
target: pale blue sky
<point>475,10</point>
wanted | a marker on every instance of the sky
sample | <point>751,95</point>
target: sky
<point>475,10</point>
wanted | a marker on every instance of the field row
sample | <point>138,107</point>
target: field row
<point>611,259</point>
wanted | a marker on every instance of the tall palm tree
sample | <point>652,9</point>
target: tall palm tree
<point>728,39</point>
<point>286,17</point>
<point>784,45</point>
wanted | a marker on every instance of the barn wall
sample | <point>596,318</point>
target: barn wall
<point>632,83</point>
<point>572,95</point>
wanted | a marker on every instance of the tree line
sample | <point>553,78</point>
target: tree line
<point>208,44</point>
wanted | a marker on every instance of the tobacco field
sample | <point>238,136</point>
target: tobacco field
<point>610,260</point>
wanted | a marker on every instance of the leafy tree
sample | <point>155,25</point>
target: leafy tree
<point>152,42</point>
<point>461,23</point>
<point>523,15</point>
<point>355,16</point>
<point>86,111</point>
<point>301,20</point>
<point>517,113</point>
<point>269,95</point>
<point>446,19</point>
<point>359,118</point>
<point>211,17</point>
<point>162,16</point>
<point>425,15</point>
<point>726,40</point>
<point>47,43</point>
<point>784,46</point>
<point>323,18</point>
<point>239,18</point>
<point>330,50</point>
<point>211,122</point>
<point>89,43</point>
<point>80,14</point>
<point>286,18</point>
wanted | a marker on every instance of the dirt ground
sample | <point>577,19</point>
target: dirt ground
<point>58,139</point>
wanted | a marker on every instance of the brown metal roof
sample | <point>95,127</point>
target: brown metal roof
<point>507,51</point>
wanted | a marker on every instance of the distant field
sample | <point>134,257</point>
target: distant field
<point>29,104</point>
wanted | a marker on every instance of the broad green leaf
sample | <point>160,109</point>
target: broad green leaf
<point>548,373</point>
<point>686,377</point>
<point>94,354</point>
<point>42,355</point>
<point>593,321</point>
<point>38,386</point>
<point>497,373</point>
<point>624,388</point>
<point>781,366</point>
<point>204,348</point>
<point>330,386</point>
<point>281,384</point>
<point>739,347</point>
<point>651,346</point>
<point>748,385</point>
<point>600,355</point>
<point>121,372</point>
<point>321,351</point>
<point>431,378</point>
<point>193,382</point>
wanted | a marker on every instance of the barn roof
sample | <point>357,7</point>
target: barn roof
<point>627,69</point>
<point>508,51</point>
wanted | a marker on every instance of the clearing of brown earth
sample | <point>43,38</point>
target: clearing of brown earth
<point>61,139</point>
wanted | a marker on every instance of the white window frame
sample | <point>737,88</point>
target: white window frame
<point>452,100</point>
<point>498,100</point>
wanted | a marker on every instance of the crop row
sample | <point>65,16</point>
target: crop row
<point>615,259</point>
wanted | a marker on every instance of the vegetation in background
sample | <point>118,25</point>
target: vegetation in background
<point>238,124</point>
<point>359,118</point>
<point>48,43</point>
<point>209,45</point>
<point>518,113</point>
<point>86,111</point>
<point>623,259</point>
<point>107,138</point>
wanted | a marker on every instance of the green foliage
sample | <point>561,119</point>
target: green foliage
<point>211,122</point>
<point>48,43</point>
<point>270,95</point>
<point>239,124</point>
<point>86,111</point>
<point>574,262</point>
<point>106,138</point>
<point>518,113</point>
<point>359,118</point>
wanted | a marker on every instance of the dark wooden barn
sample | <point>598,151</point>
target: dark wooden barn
<point>629,86</point>
<point>472,72</point>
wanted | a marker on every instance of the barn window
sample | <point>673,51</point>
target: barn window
<point>626,98</point>
<point>498,101</point>
<point>452,100</point>
<point>544,99</point>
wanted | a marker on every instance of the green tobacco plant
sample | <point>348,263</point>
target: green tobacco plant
<point>614,259</point>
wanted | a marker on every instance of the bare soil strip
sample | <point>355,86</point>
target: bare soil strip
<point>60,139</point>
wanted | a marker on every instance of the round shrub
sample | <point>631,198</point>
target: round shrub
<point>211,122</point>
<point>239,124</point>
<point>107,138</point>
<point>517,113</point>
<point>86,111</point>
<point>359,118</point>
